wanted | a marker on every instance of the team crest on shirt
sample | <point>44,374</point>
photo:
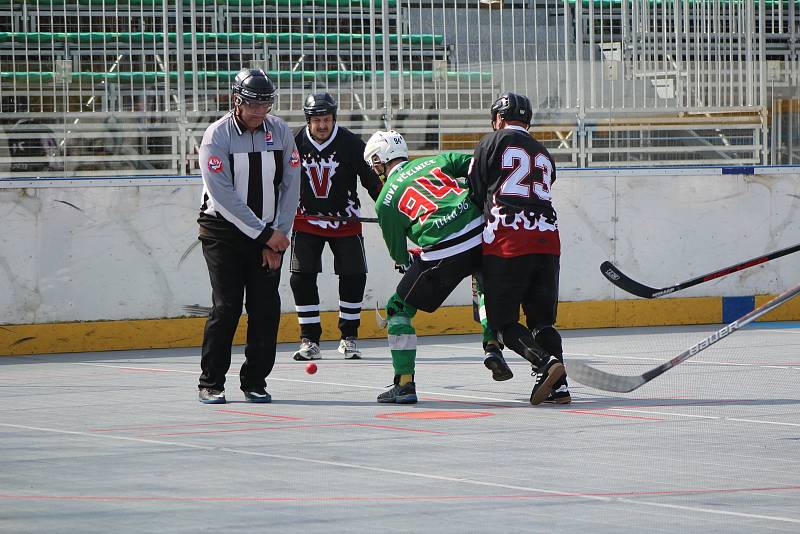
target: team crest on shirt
<point>320,174</point>
<point>268,137</point>
<point>294,161</point>
<point>215,164</point>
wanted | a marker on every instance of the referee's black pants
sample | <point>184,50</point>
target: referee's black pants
<point>234,265</point>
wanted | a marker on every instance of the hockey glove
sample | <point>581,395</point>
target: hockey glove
<point>401,268</point>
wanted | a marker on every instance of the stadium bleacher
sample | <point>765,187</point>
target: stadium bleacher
<point>149,74</point>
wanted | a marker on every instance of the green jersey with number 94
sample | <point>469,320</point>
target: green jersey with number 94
<point>427,201</point>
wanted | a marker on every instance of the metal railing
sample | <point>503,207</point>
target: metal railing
<point>95,87</point>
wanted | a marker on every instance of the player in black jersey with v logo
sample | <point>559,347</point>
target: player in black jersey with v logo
<point>331,162</point>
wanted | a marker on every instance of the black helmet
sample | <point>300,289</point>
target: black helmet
<point>319,104</point>
<point>513,107</point>
<point>253,84</point>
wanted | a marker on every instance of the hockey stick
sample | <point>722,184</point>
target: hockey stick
<point>382,323</point>
<point>334,218</point>
<point>624,282</point>
<point>196,310</point>
<point>476,300</point>
<point>188,251</point>
<point>201,311</point>
<point>597,379</point>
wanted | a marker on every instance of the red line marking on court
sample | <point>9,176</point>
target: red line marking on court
<point>186,425</point>
<point>238,412</point>
<point>301,500</point>
<point>246,430</point>
<point>400,428</point>
<point>293,428</point>
<point>146,369</point>
<point>689,403</point>
<point>598,414</point>
<point>434,414</point>
<point>777,364</point>
<point>473,403</point>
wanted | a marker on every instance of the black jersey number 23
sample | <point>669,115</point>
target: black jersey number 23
<point>522,180</point>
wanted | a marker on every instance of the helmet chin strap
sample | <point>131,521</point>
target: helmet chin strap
<point>374,166</point>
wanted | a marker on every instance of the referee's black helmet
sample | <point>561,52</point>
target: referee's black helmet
<point>319,104</point>
<point>512,107</point>
<point>253,85</point>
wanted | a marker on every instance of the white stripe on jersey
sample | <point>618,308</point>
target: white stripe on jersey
<point>456,249</point>
<point>452,251</point>
<point>241,181</point>
<point>241,176</point>
<point>267,171</point>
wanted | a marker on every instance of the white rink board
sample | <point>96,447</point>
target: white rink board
<point>664,226</point>
<point>83,250</point>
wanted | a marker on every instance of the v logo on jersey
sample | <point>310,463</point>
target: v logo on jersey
<point>320,175</point>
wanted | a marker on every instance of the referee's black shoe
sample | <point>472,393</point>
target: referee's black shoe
<point>551,373</point>
<point>495,362</point>
<point>257,394</point>
<point>211,396</point>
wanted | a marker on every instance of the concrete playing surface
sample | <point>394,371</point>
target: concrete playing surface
<point>117,442</point>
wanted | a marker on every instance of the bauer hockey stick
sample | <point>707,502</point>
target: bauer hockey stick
<point>597,379</point>
<point>624,282</point>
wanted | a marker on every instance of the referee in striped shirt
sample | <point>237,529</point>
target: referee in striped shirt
<point>251,187</point>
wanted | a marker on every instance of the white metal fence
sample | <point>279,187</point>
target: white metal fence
<point>99,87</point>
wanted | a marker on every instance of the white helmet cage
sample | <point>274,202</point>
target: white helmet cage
<point>383,147</point>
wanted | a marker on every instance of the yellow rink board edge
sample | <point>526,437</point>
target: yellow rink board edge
<point>93,336</point>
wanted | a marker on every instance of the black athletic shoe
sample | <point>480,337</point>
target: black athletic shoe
<point>212,396</point>
<point>258,395</point>
<point>559,396</point>
<point>495,362</point>
<point>400,394</point>
<point>552,373</point>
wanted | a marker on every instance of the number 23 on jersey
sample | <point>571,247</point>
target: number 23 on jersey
<point>520,181</point>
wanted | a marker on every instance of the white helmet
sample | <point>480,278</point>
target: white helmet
<point>386,146</point>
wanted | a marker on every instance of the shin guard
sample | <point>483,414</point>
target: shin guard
<point>402,335</point>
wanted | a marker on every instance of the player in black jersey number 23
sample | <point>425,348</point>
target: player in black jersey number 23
<point>511,177</point>
<point>331,160</point>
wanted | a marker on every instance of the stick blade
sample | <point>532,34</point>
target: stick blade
<point>196,310</point>
<point>382,323</point>
<point>589,376</point>
<point>188,251</point>
<point>624,282</point>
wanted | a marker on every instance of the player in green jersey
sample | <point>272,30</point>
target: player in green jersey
<point>425,201</point>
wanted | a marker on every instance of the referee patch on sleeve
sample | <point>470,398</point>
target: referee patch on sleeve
<point>294,161</point>
<point>215,164</point>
